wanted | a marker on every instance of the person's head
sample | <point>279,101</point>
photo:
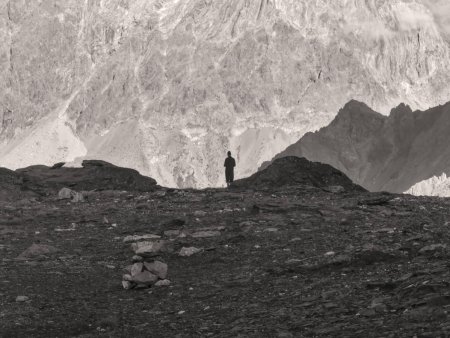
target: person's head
<point>229,154</point>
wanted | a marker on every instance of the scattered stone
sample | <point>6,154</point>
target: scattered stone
<point>187,252</point>
<point>158,268</point>
<point>74,196</point>
<point>432,248</point>
<point>200,213</point>
<point>206,234</point>
<point>172,233</point>
<point>37,250</point>
<point>137,259</point>
<point>335,189</point>
<point>127,277</point>
<point>145,278</point>
<point>137,238</point>
<point>164,282</point>
<point>21,299</point>
<point>149,249</point>
<point>127,285</point>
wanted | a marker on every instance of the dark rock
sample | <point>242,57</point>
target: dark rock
<point>297,171</point>
<point>58,165</point>
<point>95,175</point>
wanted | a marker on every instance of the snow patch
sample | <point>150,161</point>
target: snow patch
<point>434,186</point>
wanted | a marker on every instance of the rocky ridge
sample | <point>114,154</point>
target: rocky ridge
<point>390,153</point>
<point>166,87</point>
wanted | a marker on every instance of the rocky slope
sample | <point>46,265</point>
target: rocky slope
<point>167,86</point>
<point>275,260</point>
<point>379,152</point>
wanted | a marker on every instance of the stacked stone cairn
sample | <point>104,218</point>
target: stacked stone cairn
<point>146,271</point>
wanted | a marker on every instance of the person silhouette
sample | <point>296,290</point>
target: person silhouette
<point>229,165</point>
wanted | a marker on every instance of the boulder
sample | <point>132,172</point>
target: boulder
<point>74,196</point>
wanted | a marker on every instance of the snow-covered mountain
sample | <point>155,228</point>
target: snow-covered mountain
<point>168,86</point>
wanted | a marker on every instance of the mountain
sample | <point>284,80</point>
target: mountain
<point>167,86</point>
<point>390,153</point>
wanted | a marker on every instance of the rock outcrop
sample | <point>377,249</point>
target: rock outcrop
<point>390,153</point>
<point>40,180</point>
<point>94,175</point>
<point>166,87</point>
<point>299,171</point>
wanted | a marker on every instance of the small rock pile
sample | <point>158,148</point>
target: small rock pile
<point>145,274</point>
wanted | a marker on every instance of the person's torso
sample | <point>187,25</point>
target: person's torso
<point>230,163</point>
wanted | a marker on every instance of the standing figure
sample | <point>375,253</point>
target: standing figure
<point>229,165</point>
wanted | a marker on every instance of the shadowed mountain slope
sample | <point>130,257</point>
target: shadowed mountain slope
<point>379,152</point>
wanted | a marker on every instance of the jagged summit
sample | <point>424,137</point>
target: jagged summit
<point>293,170</point>
<point>382,153</point>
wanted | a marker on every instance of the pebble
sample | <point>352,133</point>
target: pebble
<point>205,234</point>
<point>21,299</point>
<point>186,252</point>
<point>163,282</point>
<point>137,259</point>
<point>270,230</point>
<point>127,285</point>
<point>136,238</point>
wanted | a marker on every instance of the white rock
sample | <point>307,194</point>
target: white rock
<point>21,299</point>
<point>127,285</point>
<point>137,238</point>
<point>164,282</point>
<point>149,248</point>
<point>206,234</point>
<point>127,277</point>
<point>187,252</point>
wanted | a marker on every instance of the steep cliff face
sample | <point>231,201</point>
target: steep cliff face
<point>167,87</point>
<point>390,153</point>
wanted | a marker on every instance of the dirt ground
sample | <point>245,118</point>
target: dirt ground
<point>288,262</point>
